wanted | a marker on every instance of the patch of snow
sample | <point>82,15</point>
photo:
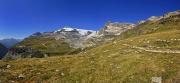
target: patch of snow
<point>67,29</point>
<point>81,31</point>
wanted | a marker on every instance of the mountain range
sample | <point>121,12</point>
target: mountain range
<point>8,43</point>
<point>146,52</point>
<point>66,40</point>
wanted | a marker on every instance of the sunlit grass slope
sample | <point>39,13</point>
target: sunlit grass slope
<point>47,45</point>
<point>149,27</point>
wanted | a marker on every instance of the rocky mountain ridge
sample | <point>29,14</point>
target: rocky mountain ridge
<point>73,36</point>
<point>157,18</point>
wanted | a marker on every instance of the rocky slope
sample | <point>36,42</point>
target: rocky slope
<point>3,50</point>
<point>108,33</point>
<point>150,50</point>
<point>74,37</point>
<point>115,28</point>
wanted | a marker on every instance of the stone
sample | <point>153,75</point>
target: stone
<point>114,42</point>
<point>109,56</point>
<point>118,67</point>
<point>56,70</point>
<point>11,81</point>
<point>21,76</point>
<point>38,73</point>
<point>156,80</point>
<point>8,66</point>
<point>62,74</point>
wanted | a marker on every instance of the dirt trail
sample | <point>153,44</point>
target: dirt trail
<point>153,50</point>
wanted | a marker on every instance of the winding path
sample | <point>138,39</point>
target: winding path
<point>155,51</point>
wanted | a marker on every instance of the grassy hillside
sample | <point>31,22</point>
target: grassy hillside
<point>47,45</point>
<point>171,23</point>
<point>136,58</point>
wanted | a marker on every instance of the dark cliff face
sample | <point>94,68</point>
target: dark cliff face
<point>3,51</point>
<point>23,52</point>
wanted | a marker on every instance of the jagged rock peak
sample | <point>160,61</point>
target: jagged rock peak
<point>169,14</point>
<point>115,28</point>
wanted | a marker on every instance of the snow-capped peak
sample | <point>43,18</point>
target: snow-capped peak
<point>81,31</point>
<point>65,29</point>
<point>84,32</point>
<point>68,29</point>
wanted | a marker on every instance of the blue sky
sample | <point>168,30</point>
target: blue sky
<point>20,18</point>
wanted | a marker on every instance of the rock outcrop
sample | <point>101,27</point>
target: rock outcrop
<point>167,15</point>
<point>155,18</point>
<point>107,34</point>
<point>172,14</point>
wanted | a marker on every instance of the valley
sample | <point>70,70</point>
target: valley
<point>135,54</point>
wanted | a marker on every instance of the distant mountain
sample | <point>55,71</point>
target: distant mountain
<point>66,40</point>
<point>8,43</point>
<point>3,51</point>
<point>73,36</point>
